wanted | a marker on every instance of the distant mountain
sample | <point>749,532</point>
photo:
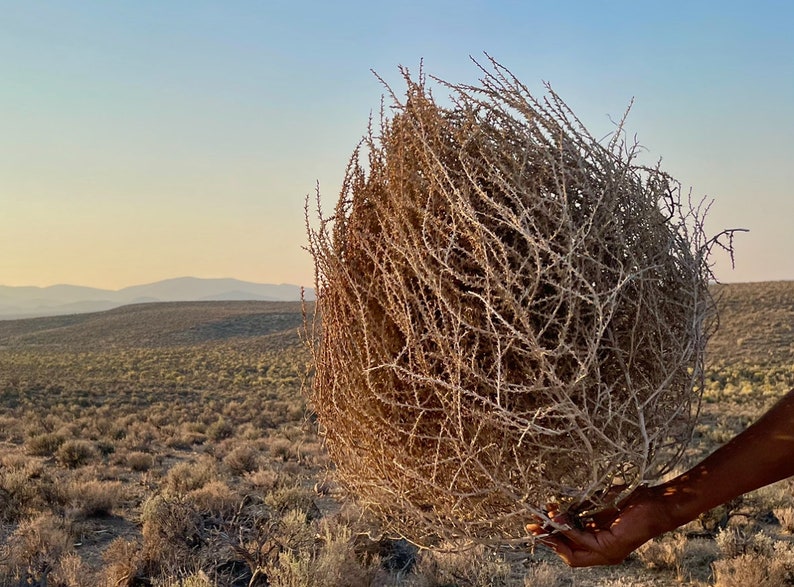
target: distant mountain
<point>25,302</point>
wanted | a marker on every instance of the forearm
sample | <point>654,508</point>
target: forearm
<point>762,454</point>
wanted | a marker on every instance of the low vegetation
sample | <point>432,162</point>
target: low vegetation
<point>169,445</point>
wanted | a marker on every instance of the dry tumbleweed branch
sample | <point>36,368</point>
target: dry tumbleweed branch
<point>512,312</point>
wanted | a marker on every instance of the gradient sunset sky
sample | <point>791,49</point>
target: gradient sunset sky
<point>146,140</point>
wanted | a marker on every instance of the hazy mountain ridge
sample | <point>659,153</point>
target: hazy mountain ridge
<point>28,301</point>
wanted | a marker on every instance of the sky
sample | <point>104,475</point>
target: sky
<point>153,139</point>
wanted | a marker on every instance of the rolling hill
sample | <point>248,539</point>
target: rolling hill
<point>756,324</point>
<point>154,325</point>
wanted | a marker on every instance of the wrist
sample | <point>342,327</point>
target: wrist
<point>677,502</point>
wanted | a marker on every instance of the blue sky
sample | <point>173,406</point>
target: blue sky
<point>146,140</point>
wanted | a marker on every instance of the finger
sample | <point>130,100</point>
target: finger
<point>536,529</point>
<point>552,509</point>
<point>573,554</point>
<point>541,528</point>
<point>543,524</point>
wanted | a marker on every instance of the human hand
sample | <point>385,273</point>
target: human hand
<point>762,454</point>
<point>607,537</point>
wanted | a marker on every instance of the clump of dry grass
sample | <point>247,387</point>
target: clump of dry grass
<point>512,312</point>
<point>92,498</point>
<point>331,563</point>
<point>215,497</point>
<point>20,488</point>
<point>752,569</point>
<point>72,571</point>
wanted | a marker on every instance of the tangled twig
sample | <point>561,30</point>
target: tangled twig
<point>512,312</point>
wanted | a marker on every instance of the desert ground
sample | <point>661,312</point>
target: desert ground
<point>170,445</point>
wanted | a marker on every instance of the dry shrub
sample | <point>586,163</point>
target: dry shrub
<point>332,563</point>
<point>19,461</point>
<point>786,518</point>
<point>544,574</point>
<point>36,546</point>
<point>123,562</point>
<point>699,554</point>
<point>199,579</point>
<point>509,311</point>
<point>282,448</point>
<point>92,498</point>
<point>73,571</point>
<point>291,497</point>
<point>216,497</point>
<point>189,476</point>
<point>294,531</point>
<point>75,453</point>
<point>139,461</point>
<point>336,562</point>
<point>220,429</point>
<point>10,428</point>
<point>19,491</point>
<point>289,570</point>
<point>139,435</point>
<point>44,444</point>
<point>242,459</point>
<point>187,435</point>
<point>663,553</point>
<point>733,541</point>
<point>752,569</point>
<point>624,582</point>
<point>474,566</point>
<point>172,531</point>
<point>263,478</point>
